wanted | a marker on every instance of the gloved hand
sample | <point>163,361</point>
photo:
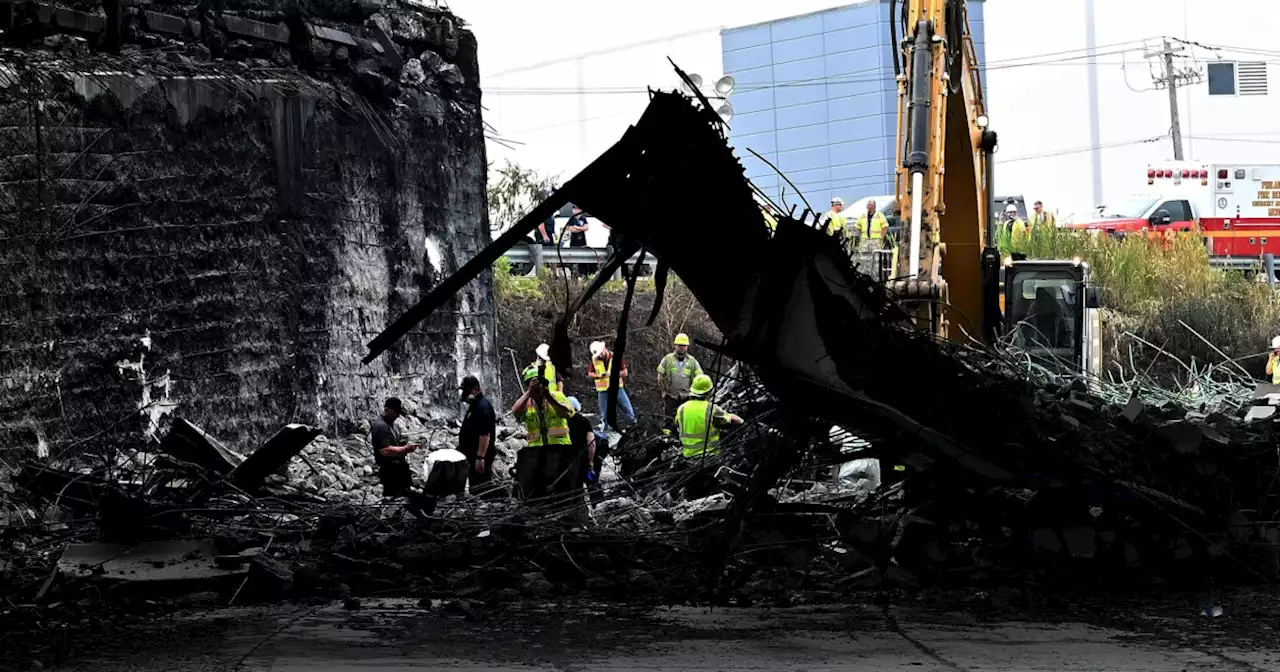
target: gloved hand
<point>591,475</point>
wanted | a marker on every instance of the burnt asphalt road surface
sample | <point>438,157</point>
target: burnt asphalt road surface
<point>393,635</point>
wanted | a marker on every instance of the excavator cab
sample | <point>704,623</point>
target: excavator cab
<point>1051,314</point>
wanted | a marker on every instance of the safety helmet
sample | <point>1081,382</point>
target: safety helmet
<point>836,200</point>
<point>544,352</point>
<point>682,339</point>
<point>1011,208</point>
<point>1275,343</point>
<point>702,385</point>
<point>528,374</point>
<point>577,405</point>
<point>597,347</point>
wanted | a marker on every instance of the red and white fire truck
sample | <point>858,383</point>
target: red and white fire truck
<point>1236,208</point>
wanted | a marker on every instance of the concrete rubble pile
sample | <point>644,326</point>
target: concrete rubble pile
<point>1008,473</point>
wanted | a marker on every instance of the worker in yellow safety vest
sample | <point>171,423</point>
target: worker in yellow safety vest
<point>1018,235</point>
<point>601,372</point>
<point>770,220</point>
<point>1041,217</point>
<point>699,421</point>
<point>546,421</point>
<point>1273,362</point>
<point>872,226</point>
<point>543,360</point>
<point>835,221</point>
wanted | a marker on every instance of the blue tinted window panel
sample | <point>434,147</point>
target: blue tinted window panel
<point>891,102</point>
<point>863,171</point>
<point>802,115</point>
<point>852,107</point>
<point>891,137</point>
<point>871,37</point>
<point>755,167</point>
<point>746,102</point>
<point>857,151</point>
<point>742,38</point>
<point>800,93</point>
<point>766,183</point>
<point>803,159</point>
<point>807,70</point>
<point>850,17</point>
<point>745,59</point>
<point>805,179</point>
<point>854,85</point>
<point>750,123</point>
<point>803,137</point>
<point>752,77</point>
<point>797,49</point>
<point>862,128</point>
<point>793,28</point>
<point>764,143</point>
<point>858,63</point>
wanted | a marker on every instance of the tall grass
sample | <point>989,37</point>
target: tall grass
<point>1165,292</point>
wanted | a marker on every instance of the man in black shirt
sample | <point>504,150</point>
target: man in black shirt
<point>577,227</point>
<point>390,453</point>
<point>475,439</point>
<point>589,450</point>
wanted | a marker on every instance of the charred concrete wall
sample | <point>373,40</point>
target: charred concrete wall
<point>213,227</point>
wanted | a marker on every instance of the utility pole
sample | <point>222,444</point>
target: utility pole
<point>1169,78</point>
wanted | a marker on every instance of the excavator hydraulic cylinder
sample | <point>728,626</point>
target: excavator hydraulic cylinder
<point>921,80</point>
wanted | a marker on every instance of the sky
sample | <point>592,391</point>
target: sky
<point>537,107</point>
<point>531,82</point>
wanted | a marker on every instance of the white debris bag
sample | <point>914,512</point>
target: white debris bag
<point>445,472</point>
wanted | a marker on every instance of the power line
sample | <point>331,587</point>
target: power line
<point>608,50</point>
<point>1081,150</point>
<point>868,77</point>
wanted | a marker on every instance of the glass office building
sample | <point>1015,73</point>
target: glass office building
<point>816,97</point>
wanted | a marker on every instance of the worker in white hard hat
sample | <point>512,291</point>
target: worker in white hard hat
<point>542,362</point>
<point>835,224</point>
<point>1273,361</point>
<point>601,371</point>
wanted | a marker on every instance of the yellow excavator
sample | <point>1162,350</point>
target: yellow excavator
<point>948,272</point>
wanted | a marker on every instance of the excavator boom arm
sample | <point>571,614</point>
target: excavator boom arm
<point>943,176</point>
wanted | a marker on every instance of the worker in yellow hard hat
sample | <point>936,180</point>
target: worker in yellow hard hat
<point>699,422</point>
<point>676,372</point>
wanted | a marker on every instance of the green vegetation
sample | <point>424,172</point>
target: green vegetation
<point>508,285</point>
<point>529,307</point>
<point>1167,294</point>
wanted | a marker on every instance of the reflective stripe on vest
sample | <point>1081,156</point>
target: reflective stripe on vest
<point>557,427</point>
<point>835,223</point>
<point>698,434</point>
<point>602,384</point>
<point>878,226</point>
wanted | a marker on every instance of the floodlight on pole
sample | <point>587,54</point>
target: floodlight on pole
<point>719,92</point>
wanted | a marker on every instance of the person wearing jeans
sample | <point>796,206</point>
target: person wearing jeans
<point>601,371</point>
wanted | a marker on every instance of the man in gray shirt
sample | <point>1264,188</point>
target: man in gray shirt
<point>676,372</point>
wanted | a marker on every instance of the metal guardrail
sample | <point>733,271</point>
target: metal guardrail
<point>522,256</point>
